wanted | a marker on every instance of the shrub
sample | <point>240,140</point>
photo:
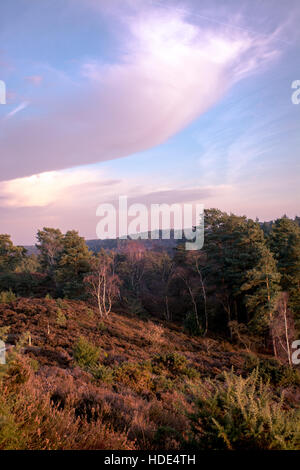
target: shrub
<point>61,319</point>
<point>4,330</point>
<point>102,373</point>
<point>61,303</point>
<point>85,353</point>
<point>7,297</point>
<point>101,327</point>
<point>33,420</point>
<point>240,414</point>
<point>134,376</point>
<point>172,361</point>
<point>190,325</point>
<point>154,333</point>
<point>90,313</point>
<point>136,308</point>
<point>175,363</point>
<point>270,370</point>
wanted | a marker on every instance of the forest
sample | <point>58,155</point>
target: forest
<point>140,346</point>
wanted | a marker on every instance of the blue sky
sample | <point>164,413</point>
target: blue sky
<point>190,99</point>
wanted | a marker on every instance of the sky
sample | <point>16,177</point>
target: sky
<point>162,101</point>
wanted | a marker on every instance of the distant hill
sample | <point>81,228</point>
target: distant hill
<point>118,244</point>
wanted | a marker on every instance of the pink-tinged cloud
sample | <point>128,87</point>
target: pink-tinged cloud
<point>171,72</point>
<point>69,199</point>
<point>34,79</point>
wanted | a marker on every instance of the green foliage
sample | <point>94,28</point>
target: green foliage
<point>175,363</point>
<point>10,256</point>
<point>61,319</point>
<point>172,361</point>
<point>61,303</point>
<point>272,371</point>
<point>262,285</point>
<point>29,264</point>
<point>133,375</point>
<point>50,245</point>
<point>165,433</point>
<point>135,306</point>
<point>11,436</point>
<point>86,355</point>
<point>23,284</point>
<point>34,364</point>
<point>7,297</point>
<point>242,268</point>
<point>240,414</point>
<point>73,264</point>
<point>4,330</point>
<point>191,325</point>
<point>90,313</point>
<point>284,242</point>
<point>24,340</point>
<point>101,327</point>
<point>102,373</point>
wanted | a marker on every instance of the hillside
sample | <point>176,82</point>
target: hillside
<point>168,244</point>
<point>135,383</point>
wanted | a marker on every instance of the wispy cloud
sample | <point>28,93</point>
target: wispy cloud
<point>171,71</point>
<point>16,110</point>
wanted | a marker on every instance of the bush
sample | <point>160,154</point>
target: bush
<point>24,284</point>
<point>60,318</point>
<point>154,333</point>
<point>172,361</point>
<point>102,373</point>
<point>101,327</point>
<point>175,363</point>
<point>86,354</point>
<point>190,325</point>
<point>7,297</point>
<point>4,330</point>
<point>34,420</point>
<point>62,304</point>
<point>134,376</point>
<point>240,414</point>
<point>270,370</point>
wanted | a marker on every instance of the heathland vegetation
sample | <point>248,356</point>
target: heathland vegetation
<point>151,347</point>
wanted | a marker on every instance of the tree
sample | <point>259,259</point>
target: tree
<point>102,284</point>
<point>73,264</point>
<point>262,288</point>
<point>239,263</point>
<point>190,269</point>
<point>10,256</point>
<point>228,257</point>
<point>282,329</point>
<point>50,246</point>
<point>159,271</point>
<point>284,242</point>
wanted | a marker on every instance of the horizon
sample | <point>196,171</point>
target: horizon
<point>164,102</point>
<point>171,229</point>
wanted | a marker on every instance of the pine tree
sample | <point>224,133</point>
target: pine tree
<point>73,264</point>
<point>10,255</point>
<point>262,288</point>
<point>239,263</point>
<point>284,242</point>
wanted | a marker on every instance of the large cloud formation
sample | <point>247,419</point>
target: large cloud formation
<point>170,72</point>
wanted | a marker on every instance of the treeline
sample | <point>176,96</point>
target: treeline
<point>244,283</point>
